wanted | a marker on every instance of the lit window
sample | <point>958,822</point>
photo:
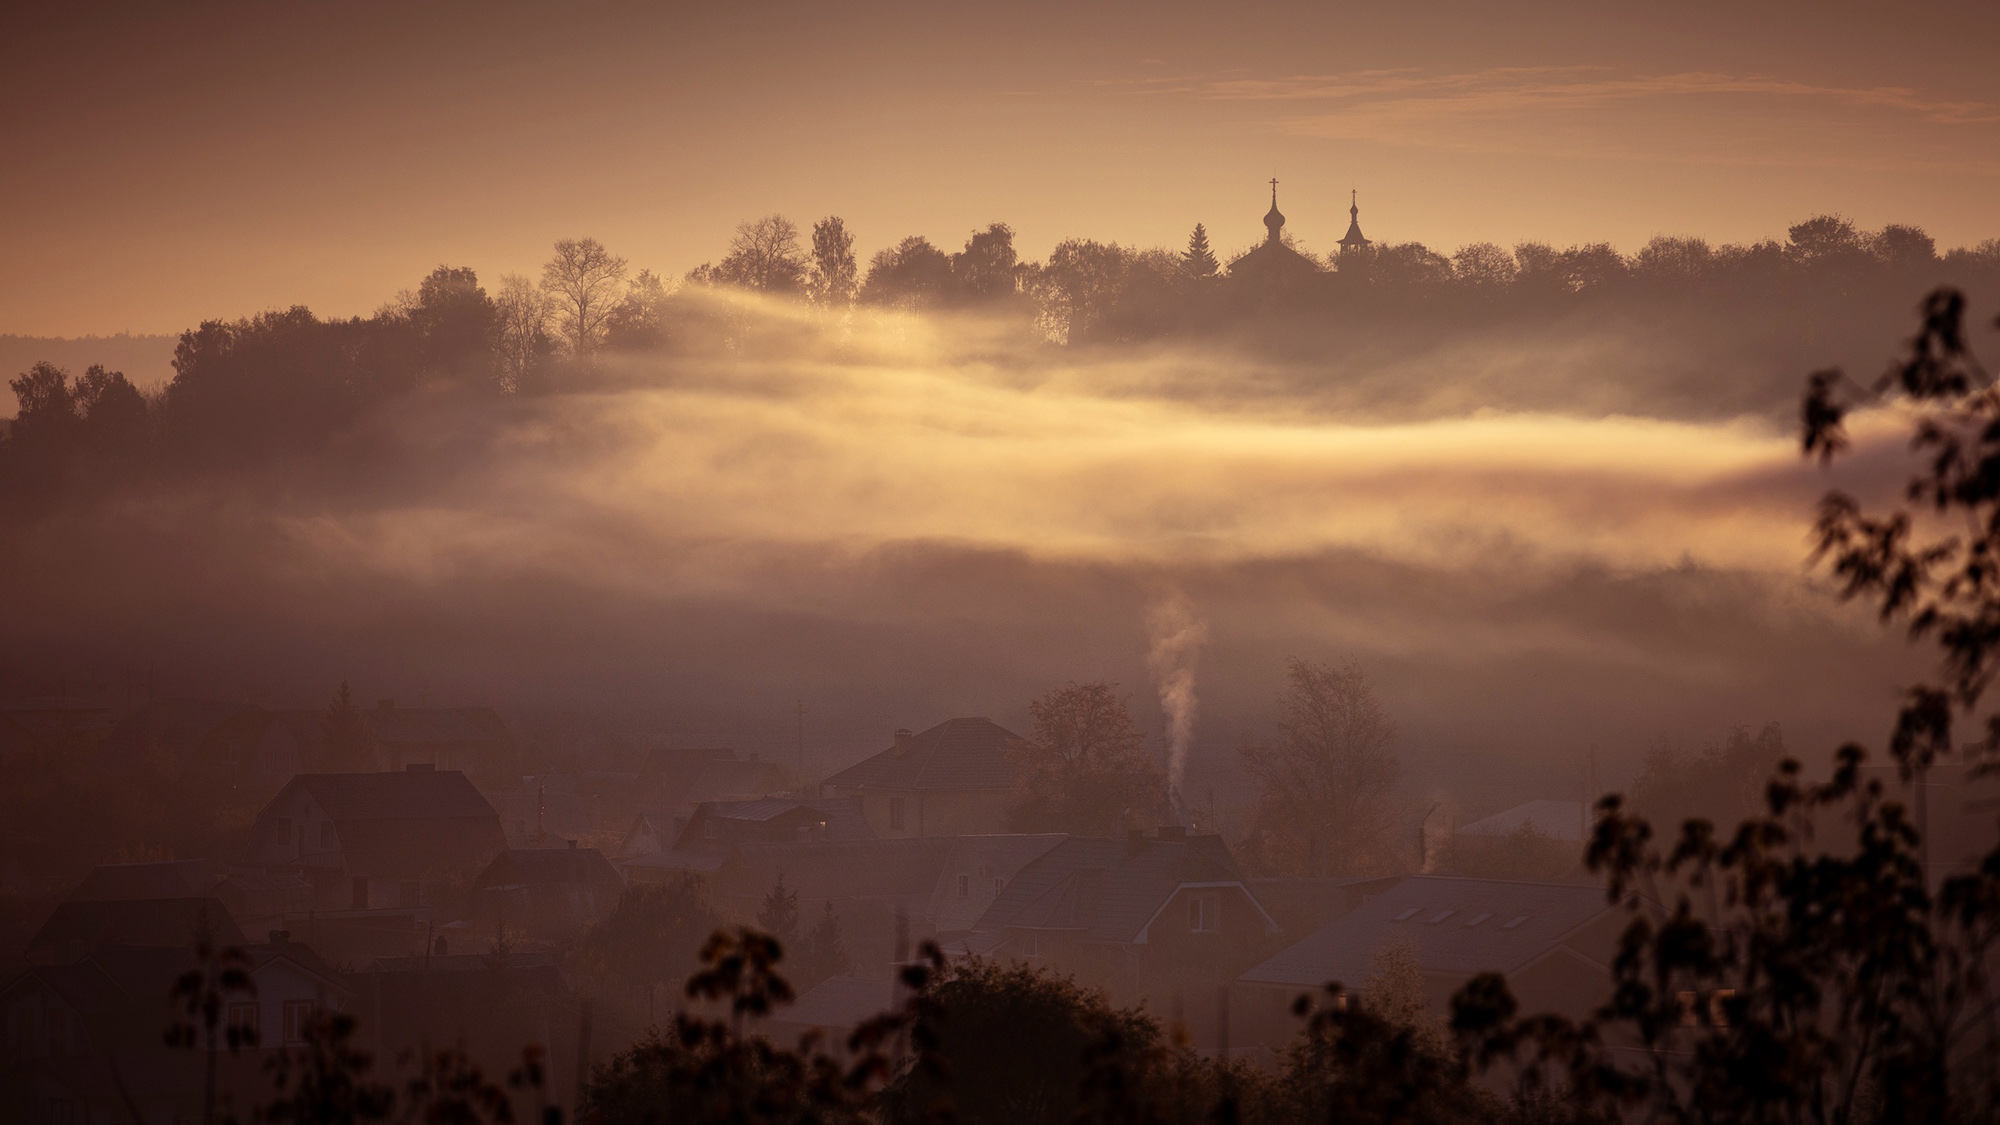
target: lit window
<point>1407,914</point>
<point>896,812</point>
<point>1476,919</point>
<point>1718,1011</point>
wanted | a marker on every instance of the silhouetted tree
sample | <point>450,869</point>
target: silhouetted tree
<point>1198,260</point>
<point>832,273</point>
<point>1085,771</point>
<point>987,269</point>
<point>764,257</point>
<point>582,281</point>
<point>652,936</point>
<point>822,953</point>
<point>346,747</point>
<point>455,322</point>
<point>1483,265</point>
<point>522,314</point>
<point>911,275</point>
<point>1825,240</point>
<point>639,322</point>
<point>1321,811</point>
<point>201,999</point>
<point>779,913</point>
<point>1078,287</point>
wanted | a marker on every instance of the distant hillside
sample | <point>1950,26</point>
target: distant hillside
<point>146,360</point>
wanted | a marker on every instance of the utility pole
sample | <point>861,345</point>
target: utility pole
<point>802,747</point>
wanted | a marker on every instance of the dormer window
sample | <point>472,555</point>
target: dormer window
<point>1439,917</point>
<point>1476,919</point>
<point>1515,921</point>
<point>1407,914</point>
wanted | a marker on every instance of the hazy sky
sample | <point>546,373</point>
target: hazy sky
<point>168,163</point>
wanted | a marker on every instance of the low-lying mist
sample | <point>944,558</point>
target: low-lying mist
<point>894,520</point>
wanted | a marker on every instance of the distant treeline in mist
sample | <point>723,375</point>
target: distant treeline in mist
<point>287,387</point>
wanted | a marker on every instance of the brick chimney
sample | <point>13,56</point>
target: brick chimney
<point>903,742</point>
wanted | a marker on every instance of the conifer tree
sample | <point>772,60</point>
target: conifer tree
<point>779,916</point>
<point>1199,260</point>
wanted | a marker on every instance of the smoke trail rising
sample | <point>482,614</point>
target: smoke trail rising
<point>1176,633</point>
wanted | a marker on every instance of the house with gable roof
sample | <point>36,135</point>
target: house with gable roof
<point>954,779</point>
<point>1142,914</point>
<point>373,840</point>
<point>1554,942</point>
<point>78,1039</point>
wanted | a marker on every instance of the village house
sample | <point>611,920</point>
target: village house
<point>1159,918</point>
<point>79,1038</point>
<point>976,870</point>
<point>374,840</point>
<point>1554,943</point>
<point>75,929</point>
<point>545,894</point>
<point>955,779</point>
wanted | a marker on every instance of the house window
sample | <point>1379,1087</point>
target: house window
<point>327,840</point>
<point>711,829</point>
<point>896,812</point>
<point>1205,913</point>
<point>245,1027</point>
<point>298,1013</point>
<point>285,830</point>
<point>965,886</point>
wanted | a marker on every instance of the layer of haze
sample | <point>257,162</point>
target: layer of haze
<point>169,164</point>
<point>896,520</point>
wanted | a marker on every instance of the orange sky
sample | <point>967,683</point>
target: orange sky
<point>169,163</point>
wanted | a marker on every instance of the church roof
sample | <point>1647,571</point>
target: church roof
<point>1353,237</point>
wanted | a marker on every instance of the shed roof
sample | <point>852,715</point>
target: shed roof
<point>1558,820</point>
<point>1107,890</point>
<point>403,795</point>
<point>966,753</point>
<point>1457,926</point>
<point>167,922</point>
<point>177,878</point>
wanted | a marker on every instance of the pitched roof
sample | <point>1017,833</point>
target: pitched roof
<point>404,795</point>
<point>180,878</point>
<point>1457,926</point>
<point>549,865</point>
<point>1558,820</point>
<point>1107,890</point>
<point>840,1003</point>
<point>906,868</point>
<point>141,922</point>
<point>955,754</point>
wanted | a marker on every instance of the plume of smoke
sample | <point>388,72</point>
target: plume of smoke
<point>1175,634</point>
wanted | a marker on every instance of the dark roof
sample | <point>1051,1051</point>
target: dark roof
<point>905,868</point>
<point>840,1003</point>
<point>1107,890</point>
<point>549,865</point>
<point>142,922</point>
<point>179,878</point>
<point>749,820</point>
<point>1558,820</point>
<point>404,795</point>
<point>1344,950</point>
<point>955,754</point>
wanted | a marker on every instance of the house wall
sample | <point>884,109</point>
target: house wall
<point>933,812</point>
<point>293,831</point>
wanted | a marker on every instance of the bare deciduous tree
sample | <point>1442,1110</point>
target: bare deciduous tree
<point>1086,770</point>
<point>583,281</point>
<point>1326,775</point>
<point>521,329</point>
<point>764,256</point>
